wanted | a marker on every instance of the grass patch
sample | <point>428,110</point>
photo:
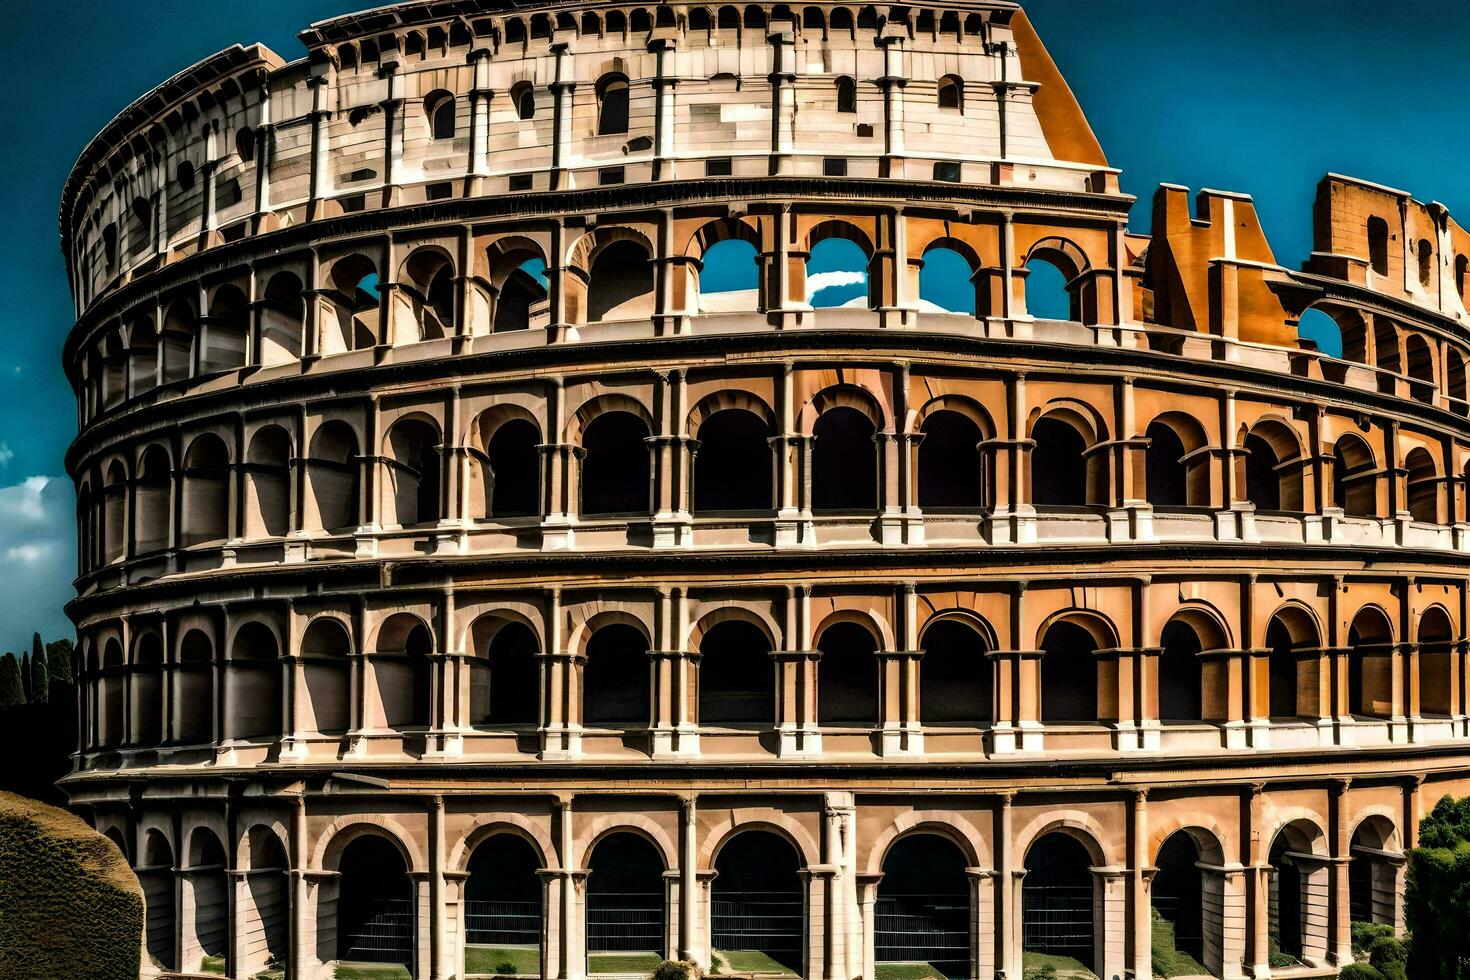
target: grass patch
<point>623,962</point>
<point>493,960</point>
<point>270,975</point>
<point>1168,959</point>
<point>906,971</point>
<point>1035,965</point>
<point>213,964</point>
<point>750,961</point>
<point>371,971</point>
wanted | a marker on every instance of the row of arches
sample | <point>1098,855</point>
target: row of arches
<point>761,897</point>
<point>735,678</point>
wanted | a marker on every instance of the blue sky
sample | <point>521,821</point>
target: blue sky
<point>1253,96</point>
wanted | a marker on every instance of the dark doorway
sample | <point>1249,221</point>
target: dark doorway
<point>502,906</point>
<point>1058,469</point>
<point>844,462</point>
<point>732,470</point>
<point>737,680</point>
<point>757,902</point>
<point>615,679</point>
<point>949,463</point>
<point>955,680</point>
<point>1057,899</point>
<point>1068,674</point>
<point>625,896</point>
<point>1178,895</point>
<point>375,913</point>
<point>847,676</point>
<point>923,909</point>
<point>1180,688</point>
<point>615,475</point>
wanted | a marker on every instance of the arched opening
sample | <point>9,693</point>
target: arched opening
<point>268,483</point>
<point>193,679</point>
<point>1058,902</point>
<point>114,513</point>
<point>1420,368</point>
<point>945,283</point>
<point>1374,869</point>
<point>847,676</point>
<point>1292,640</point>
<point>1262,477</point>
<point>950,465</point>
<point>615,680</point>
<point>1378,245</point>
<point>837,274</point>
<point>439,111</point>
<point>846,91</point>
<point>737,679</point>
<point>267,925</point>
<point>355,297</point>
<point>512,470</point>
<point>147,684</point>
<point>424,298</point>
<point>1178,907</point>
<point>1273,468</point>
<point>1423,486</point>
<point>1068,674</point>
<point>502,907</point>
<point>1181,686</point>
<point>625,903</point>
<point>113,685</point>
<point>403,673</point>
<point>326,708</point>
<point>612,104</point>
<point>1370,665</point>
<point>729,277</point>
<point>756,904</point>
<point>282,319</point>
<point>922,914</point>
<point>732,466</point>
<point>1436,663</point>
<point>523,97</point>
<point>1297,904</point>
<point>1062,472</point>
<point>374,909</point>
<point>1319,330</point>
<point>160,910</point>
<point>413,472</point>
<point>615,465</point>
<point>955,676</point>
<point>844,461</point>
<point>505,673</point>
<point>620,283</point>
<point>1049,294</point>
<point>253,685</point>
<point>1354,477</point>
<point>142,355</point>
<point>225,331</point>
<point>521,297</point>
<point>153,495</point>
<point>951,93</point>
<point>1165,472</point>
<point>206,897</point>
<point>180,326</point>
<point>206,491</point>
<point>1425,254</point>
<point>332,472</point>
<point>1455,381</point>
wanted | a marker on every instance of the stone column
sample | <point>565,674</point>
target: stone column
<point>664,83</point>
<point>1339,926</point>
<point>783,97</point>
<point>561,686</point>
<point>319,81</point>
<point>480,96</point>
<point>561,92</point>
<point>895,77</point>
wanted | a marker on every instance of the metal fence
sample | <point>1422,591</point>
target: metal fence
<point>1057,919</point>
<point>497,923</point>
<point>1185,915</point>
<point>385,935</point>
<point>768,922</point>
<point>933,929</point>
<point>630,922</point>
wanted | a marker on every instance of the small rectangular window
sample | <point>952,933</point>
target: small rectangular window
<point>834,167</point>
<point>609,175</point>
<point>520,182</point>
<point>719,167</point>
<point>865,129</point>
<point>441,191</point>
<point>947,171</point>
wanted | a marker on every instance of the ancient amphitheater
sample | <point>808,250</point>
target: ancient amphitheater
<point>463,585</point>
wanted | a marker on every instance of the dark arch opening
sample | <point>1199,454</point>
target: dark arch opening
<point>333,471</point>
<point>625,897</point>
<point>253,684</point>
<point>955,675</point>
<point>375,907</point>
<point>612,104</point>
<point>1284,908</point>
<point>737,680</point>
<point>950,463</point>
<point>1262,484</point>
<point>1068,674</point>
<point>620,274</point>
<point>1370,666</point>
<point>325,647</point>
<point>1181,693</point>
<point>615,679</point>
<point>505,686</point>
<point>1057,899</point>
<point>1058,468</point>
<point>757,899</point>
<point>732,468</point>
<point>847,676</point>
<point>1168,482</point>
<point>615,470</point>
<point>1283,670</point>
<point>1178,898</point>
<point>923,910</point>
<point>156,875</point>
<point>515,470</point>
<point>844,462</point>
<point>502,906</point>
<point>1373,879</point>
<point>414,466</point>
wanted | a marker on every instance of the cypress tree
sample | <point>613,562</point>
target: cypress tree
<point>11,692</point>
<point>58,661</point>
<point>25,677</point>
<point>40,679</point>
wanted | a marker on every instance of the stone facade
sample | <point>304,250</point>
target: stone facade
<point>389,540</point>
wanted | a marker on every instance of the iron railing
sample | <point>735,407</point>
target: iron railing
<point>933,929</point>
<point>498,923</point>
<point>768,922</point>
<point>630,922</point>
<point>385,935</point>
<point>1057,919</point>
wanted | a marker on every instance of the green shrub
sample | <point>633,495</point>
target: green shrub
<point>1437,904</point>
<point>1364,933</point>
<point>1044,972</point>
<point>678,970</point>
<point>1359,971</point>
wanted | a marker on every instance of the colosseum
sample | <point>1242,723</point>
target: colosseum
<point>498,555</point>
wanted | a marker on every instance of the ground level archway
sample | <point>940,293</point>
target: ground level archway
<point>757,911</point>
<point>923,915</point>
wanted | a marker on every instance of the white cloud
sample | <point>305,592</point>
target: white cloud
<point>818,281</point>
<point>6,453</point>
<point>37,557</point>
